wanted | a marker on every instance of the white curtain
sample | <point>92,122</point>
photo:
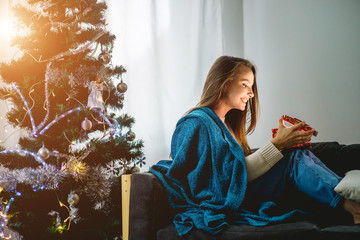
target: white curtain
<point>167,47</point>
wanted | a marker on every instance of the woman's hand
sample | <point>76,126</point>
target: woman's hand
<point>290,136</point>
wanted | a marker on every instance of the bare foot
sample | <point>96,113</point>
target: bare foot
<point>353,208</point>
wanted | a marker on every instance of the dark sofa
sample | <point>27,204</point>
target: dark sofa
<point>151,216</point>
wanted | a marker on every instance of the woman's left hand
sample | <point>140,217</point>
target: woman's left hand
<point>290,136</point>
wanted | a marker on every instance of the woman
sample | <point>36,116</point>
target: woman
<point>214,179</point>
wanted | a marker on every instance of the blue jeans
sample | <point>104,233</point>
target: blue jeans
<point>299,169</point>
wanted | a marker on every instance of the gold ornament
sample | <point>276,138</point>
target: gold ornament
<point>77,168</point>
<point>121,87</point>
<point>130,136</point>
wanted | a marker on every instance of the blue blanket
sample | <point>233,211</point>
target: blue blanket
<point>206,178</point>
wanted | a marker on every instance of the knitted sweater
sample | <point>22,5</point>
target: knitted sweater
<point>260,161</point>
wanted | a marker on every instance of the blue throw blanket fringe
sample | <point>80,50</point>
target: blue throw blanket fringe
<point>206,178</point>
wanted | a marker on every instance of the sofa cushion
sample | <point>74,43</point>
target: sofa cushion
<point>349,186</point>
<point>296,230</point>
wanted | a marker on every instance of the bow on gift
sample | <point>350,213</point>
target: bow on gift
<point>292,122</point>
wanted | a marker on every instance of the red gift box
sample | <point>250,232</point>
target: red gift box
<point>292,122</point>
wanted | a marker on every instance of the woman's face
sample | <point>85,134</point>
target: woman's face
<point>239,90</point>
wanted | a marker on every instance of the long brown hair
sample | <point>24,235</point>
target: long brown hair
<point>220,74</point>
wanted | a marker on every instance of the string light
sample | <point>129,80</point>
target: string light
<point>27,107</point>
<point>4,218</point>
<point>70,112</point>
<point>68,218</point>
<point>47,102</point>
<point>105,118</point>
<point>20,151</point>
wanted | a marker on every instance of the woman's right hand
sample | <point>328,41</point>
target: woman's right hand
<point>290,136</point>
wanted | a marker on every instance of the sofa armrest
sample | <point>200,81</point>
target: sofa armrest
<point>149,207</point>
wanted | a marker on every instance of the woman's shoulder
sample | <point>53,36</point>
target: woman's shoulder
<point>198,115</point>
<point>198,121</point>
<point>191,126</point>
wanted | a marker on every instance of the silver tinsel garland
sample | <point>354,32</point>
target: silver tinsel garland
<point>97,180</point>
<point>44,177</point>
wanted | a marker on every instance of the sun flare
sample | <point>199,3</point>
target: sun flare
<point>6,28</point>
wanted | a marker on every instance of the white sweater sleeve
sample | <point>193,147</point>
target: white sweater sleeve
<point>261,161</point>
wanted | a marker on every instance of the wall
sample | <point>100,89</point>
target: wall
<point>308,59</point>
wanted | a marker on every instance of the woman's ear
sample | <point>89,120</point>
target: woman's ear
<point>226,88</point>
<point>223,91</point>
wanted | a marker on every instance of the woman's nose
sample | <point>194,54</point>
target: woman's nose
<point>251,94</point>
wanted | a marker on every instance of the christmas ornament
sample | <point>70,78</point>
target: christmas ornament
<point>130,136</point>
<point>140,161</point>
<point>77,168</point>
<point>113,169</point>
<point>124,165</point>
<point>106,58</point>
<point>95,99</point>
<point>86,124</point>
<point>121,87</point>
<point>44,153</point>
<point>73,198</point>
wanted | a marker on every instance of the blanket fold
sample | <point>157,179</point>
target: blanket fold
<point>206,179</point>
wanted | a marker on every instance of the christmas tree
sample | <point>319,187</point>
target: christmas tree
<point>62,182</point>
